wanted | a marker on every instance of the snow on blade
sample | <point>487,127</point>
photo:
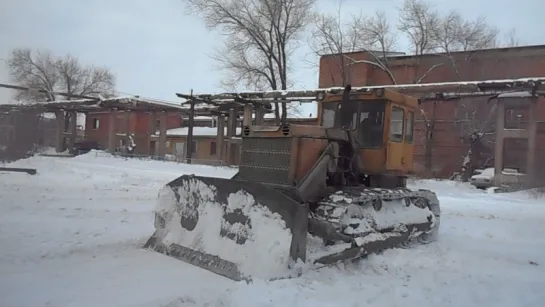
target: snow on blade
<point>265,252</point>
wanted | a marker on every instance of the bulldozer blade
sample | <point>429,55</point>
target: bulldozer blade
<point>237,229</point>
<point>210,262</point>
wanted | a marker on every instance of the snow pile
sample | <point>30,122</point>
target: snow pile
<point>51,151</point>
<point>265,252</point>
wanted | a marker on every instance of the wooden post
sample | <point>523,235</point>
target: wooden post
<point>189,145</point>
<point>127,129</point>
<point>498,150</point>
<point>112,130</point>
<point>151,131</point>
<point>231,130</point>
<point>59,144</point>
<point>259,116</point>
<point>532,134</point>
<point>220,137</point>
<point>247,119</point>
<point>162,134</point>
<point>73,129</point>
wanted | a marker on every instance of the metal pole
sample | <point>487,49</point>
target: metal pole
<point>30,89</point>
<point>190,129</point>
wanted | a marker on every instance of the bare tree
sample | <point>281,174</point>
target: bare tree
<point>454,34</point>
<point>477,34</point>
<point>418,21</point>
<point>511,39</point>
<point>331,37</point>
<point>374,35</point>
<point>261,36</point>
<point>41,70</point>
<point>339,39</point>
<point>35,71</point>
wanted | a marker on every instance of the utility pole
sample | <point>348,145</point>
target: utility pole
<point>190,128</point>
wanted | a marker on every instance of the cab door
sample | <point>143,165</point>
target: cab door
<point>408,146</point>
<point>395,150</point>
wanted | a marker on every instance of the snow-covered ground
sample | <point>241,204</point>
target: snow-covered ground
<point>71,236</point>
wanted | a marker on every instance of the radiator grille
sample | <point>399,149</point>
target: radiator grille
<point>266,160</point>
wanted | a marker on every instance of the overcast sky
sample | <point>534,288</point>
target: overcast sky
<point>156,49</point>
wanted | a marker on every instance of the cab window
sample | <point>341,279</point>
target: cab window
<point>409,128</point>
<point>396,124</point>
<point>371,125</point>
<point>331,115</point>
<point>328,114</point>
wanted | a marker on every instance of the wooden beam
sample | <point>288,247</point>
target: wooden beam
<point>483,88</point>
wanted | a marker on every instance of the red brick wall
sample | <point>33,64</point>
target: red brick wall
<point>503,63</point>
<point>454,118</point>
<point>139,122</point>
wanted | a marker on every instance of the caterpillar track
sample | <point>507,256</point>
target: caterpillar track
<point>349,224</point>
<point>374,219</point>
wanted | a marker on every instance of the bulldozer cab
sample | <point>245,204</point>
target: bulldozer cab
<point>382,123</point>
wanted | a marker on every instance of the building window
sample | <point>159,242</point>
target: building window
<point>409,128</point>
<point>96,123</point>
<point>212,148</point>
<point>396,124</point>
<point>157,125</point>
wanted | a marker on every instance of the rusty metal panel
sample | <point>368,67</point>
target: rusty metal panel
<point>266,160</point>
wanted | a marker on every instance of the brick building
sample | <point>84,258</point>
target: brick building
<point>136,123</point>
<point>453,120</point>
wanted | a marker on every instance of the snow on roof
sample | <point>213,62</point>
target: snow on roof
<point>310,92</point>
<point>93,104</point>
<point>198,131</point>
